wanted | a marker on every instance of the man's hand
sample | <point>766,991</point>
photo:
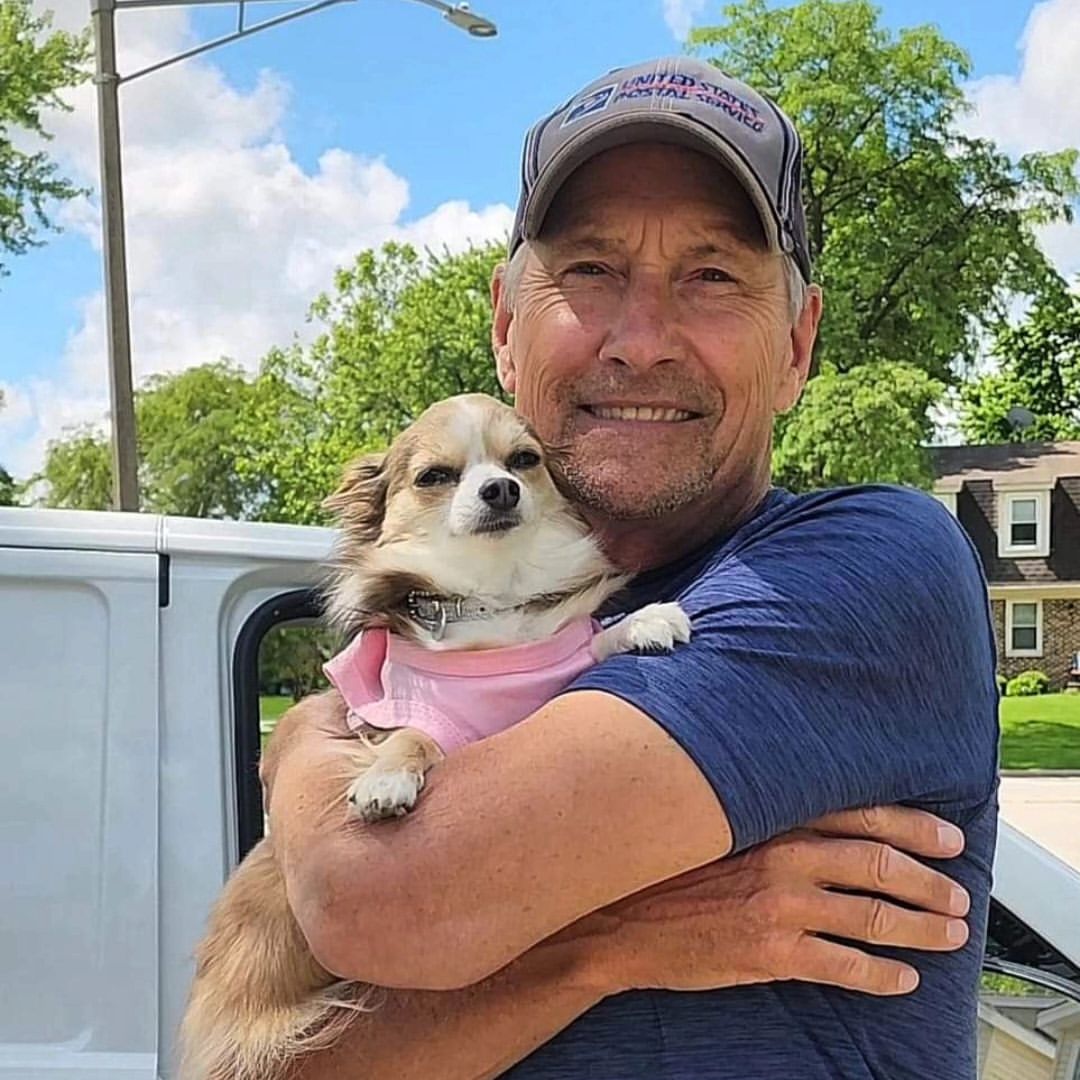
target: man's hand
<point>755,917</point>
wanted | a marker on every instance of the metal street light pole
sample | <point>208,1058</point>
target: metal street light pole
<point>108,80</point>
<point>117,326</point>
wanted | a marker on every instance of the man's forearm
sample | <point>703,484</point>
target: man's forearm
<point>469,1034</point>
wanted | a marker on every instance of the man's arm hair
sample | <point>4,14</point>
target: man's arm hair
<point>474,1033</point>
<point>513,839</point>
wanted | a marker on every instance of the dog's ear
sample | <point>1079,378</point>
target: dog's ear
<point>360,501</point>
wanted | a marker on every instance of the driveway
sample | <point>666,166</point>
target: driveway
<point>1046,808</point>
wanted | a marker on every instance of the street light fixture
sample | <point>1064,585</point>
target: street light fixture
<point>109,81</point>
<point>463,18</point>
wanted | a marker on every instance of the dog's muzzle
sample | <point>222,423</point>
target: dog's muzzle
<point>500,498</point>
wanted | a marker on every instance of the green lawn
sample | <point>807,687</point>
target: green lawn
<point>270,710</point>
<point>1041,732</point>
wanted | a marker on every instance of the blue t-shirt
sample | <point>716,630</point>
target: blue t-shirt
<point>842,656</point>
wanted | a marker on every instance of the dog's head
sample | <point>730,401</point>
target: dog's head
<point>465,502</point>
<point>468,466</point>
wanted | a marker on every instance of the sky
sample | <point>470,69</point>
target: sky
<point>255,170</point>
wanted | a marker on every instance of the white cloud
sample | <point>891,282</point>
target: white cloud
<point>14,406</point>
<point>1038,108</point>
<point>229,239</point>
<point>680,15</point>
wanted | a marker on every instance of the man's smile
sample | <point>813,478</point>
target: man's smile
<point>651,414</point>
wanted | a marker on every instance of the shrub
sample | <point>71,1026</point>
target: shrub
<point>1028,684</point>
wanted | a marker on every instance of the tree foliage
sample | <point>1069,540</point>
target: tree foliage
<point>291,658</point>
<point>397,334</point>
<point>36,63</point>
<point>866,425</point>
<point>190,441</point>
<point>920,233</point>
<point>1038,369</point>
<point>8,488</point>
<point>77,474</point>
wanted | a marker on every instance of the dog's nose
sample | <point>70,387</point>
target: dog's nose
<point>501,494</point>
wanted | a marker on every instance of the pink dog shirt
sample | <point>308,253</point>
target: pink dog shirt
<point>456,696</point>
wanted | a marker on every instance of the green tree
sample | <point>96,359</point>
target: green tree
<point>920,234</point>
<point>867,425</point>
<point>190,435</point>
<point>190,444</point>
<point>35,65</point>
<point>1038,369</point>
<point>291,658</point>
<point>77,473</point>
<point>8,488</point>
<point>398,333</point>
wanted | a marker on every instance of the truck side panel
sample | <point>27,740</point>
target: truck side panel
<point>79,814</point>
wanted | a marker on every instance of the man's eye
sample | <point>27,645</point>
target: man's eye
<point>436,475</point>
<point>589,269</point>
<point>523,459</point>
<point>714,273</point>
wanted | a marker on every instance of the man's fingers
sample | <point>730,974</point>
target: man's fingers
<point>819,961</point>
<point>877,922</point>
<point>903,827</point>
<point>868,867</point>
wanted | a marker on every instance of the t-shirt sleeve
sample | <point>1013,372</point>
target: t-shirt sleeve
<point>842,656</point>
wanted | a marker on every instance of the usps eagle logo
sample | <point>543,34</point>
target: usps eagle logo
<point>595,102</point>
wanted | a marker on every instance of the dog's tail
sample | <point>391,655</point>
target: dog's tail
<point>260,998</point>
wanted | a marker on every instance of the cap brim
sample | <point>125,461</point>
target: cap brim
<point>665,127</point>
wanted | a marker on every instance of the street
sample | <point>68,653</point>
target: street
<point>1046,808</point>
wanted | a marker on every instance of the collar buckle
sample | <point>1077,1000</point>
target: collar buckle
<point>430,612</point>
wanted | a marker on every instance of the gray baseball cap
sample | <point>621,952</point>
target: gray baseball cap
<point>678,100</point>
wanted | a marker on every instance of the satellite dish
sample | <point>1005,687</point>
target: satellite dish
<point>1019,418</point>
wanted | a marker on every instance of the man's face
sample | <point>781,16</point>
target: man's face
<point>650,333</point>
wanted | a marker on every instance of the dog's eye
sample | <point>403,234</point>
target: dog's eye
<point>436,475</point>
<point>523,459</point>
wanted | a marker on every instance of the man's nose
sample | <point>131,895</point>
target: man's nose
<point>501,493</point>
<point>642,334</point>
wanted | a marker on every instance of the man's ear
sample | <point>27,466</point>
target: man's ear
<point>501,318</point>
<point>804,330</point>
<point>360,501</point>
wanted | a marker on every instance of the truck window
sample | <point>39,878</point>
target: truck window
<point>278,660</point>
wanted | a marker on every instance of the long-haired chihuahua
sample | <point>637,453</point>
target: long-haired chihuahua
<point>467,581</point>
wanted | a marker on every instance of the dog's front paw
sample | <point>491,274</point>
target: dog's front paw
<point>384,793</point>
<point>656,627</point>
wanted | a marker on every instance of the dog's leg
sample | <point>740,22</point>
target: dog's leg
<point>390,785</point>
<point>654,628</point>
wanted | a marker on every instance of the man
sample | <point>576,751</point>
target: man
<point>641,834</point>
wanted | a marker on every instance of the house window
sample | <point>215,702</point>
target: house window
<point>1024,524</point>
<point>1023,628</point>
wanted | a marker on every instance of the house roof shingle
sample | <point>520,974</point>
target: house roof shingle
<point>1015,459</point>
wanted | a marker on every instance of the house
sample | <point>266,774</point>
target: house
<point>1028,1037</point>
<point>1020,504</point>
